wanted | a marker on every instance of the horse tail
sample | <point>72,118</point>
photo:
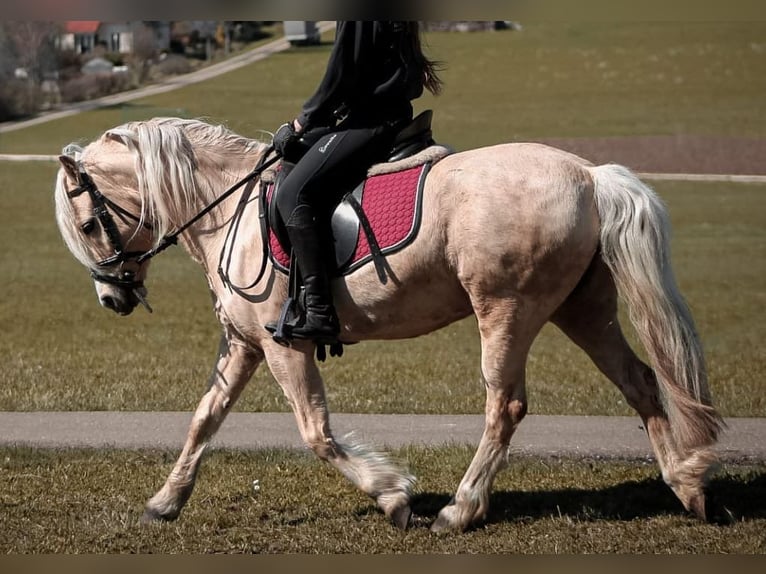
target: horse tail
<point>635,245</point>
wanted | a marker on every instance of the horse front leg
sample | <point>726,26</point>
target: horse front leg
<point>235,365</point>
<point>370,470</point>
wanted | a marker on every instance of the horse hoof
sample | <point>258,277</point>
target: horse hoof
<point>441,524</point>
<point>401,517</point>
<point>152,516</point>
<point>697,507</point>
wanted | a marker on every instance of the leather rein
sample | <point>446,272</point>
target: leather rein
<point>103,208</point>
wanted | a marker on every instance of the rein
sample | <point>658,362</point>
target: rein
<point>102,204</point>
<point>172,238</point>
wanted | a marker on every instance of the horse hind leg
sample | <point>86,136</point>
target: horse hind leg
<point>505,341</point>
<point>589,318</point>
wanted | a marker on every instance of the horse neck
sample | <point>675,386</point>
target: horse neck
<point>204,239</point>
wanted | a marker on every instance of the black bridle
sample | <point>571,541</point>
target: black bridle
<point>101,206</point>
<point>101,210</point>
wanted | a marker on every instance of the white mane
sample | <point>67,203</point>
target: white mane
<point>166,159</point>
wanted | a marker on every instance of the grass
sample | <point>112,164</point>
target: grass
<point>550,80</point>
<point>91,500</point>
<point>62,351</point>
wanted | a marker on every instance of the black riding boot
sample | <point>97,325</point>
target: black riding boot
<point>319,322</point>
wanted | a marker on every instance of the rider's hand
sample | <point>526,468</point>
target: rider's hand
<point>286,135</point>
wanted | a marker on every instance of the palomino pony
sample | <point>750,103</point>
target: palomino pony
<point>516,234</point>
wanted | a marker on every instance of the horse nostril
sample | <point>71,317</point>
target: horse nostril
<point>108,302</point>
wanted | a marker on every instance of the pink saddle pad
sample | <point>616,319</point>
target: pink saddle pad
<point>392,203</point>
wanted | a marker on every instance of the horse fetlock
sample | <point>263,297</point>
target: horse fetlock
<point>324,448</point>
<point>689,478</point>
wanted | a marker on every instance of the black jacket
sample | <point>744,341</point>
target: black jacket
<point>371,76</point>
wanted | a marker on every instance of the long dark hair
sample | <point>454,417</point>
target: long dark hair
<point>430,68</point>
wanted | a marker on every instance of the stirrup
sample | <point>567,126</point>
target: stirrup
<point>319,324</point>
<point>281,331</point>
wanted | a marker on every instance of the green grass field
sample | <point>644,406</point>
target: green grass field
<point>62,351</point>
<point>91,501</point>
<point>583,79</point>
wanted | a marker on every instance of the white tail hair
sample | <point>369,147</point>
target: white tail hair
<point>635,245</point>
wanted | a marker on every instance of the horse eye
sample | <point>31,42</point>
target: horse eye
<point>88,227</point>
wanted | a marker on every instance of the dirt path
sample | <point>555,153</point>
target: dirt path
<point>683,154</point>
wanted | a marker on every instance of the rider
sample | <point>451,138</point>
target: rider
<point>374,71</point>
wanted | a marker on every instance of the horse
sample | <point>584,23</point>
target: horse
<point>516,234</point>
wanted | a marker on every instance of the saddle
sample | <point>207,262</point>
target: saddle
<point>375,217</point>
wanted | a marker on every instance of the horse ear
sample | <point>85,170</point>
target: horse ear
<point>70,166</point>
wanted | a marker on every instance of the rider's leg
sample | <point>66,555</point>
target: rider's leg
<point>335,159</point>
<point>320,323</point>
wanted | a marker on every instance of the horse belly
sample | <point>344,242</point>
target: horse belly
<point>421,294</point>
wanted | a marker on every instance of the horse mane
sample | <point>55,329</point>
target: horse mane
<point>166,160</point>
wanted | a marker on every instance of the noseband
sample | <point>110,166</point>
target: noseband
<point>101,205</point>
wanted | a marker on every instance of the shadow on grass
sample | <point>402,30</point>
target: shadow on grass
<point>728,498</point>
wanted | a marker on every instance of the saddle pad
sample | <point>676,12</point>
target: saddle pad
<point>392,203</point>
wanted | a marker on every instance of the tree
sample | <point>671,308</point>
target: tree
<point>144,51</point>
<point>28,47</point>
<point>33,45</point>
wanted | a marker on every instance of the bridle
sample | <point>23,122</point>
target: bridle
<point>101,205</point>
<point>125,278</point>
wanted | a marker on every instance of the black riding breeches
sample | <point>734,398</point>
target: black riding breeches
<point>335,161</point>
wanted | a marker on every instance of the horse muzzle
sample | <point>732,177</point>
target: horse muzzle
<point>123,301</point>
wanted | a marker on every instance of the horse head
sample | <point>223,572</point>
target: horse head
<point>103,222</point>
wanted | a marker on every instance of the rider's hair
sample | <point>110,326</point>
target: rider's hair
<point>430,68</point>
